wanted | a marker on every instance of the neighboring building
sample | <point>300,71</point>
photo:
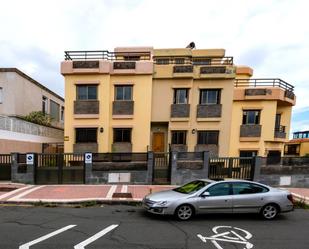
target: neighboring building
<point>299,145</point>
<point>139,99</point>
<point>20,95</point>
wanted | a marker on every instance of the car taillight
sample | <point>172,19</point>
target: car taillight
<point>290,197</point>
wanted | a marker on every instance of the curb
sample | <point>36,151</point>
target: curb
<point>300,198</point>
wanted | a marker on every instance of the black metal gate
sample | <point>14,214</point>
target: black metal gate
<point>162,168</point>
<point>59,169</point>
<point>5,167</point>
<point>231,167</point>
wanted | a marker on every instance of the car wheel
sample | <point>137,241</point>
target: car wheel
<point>184,212</point>
<point>269,211</point>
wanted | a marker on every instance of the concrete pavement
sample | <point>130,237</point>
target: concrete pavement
<point>19,193</point>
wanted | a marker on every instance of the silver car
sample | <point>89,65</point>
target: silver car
<point>207,196</point>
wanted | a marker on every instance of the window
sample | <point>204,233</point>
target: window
<point>210,96</point>
<point>122,135</point>
<point>179,61</point>
<point>86,135</point>
<point>220,189</point>
<point>44,104</point>
<point>181,96</point>
<point>207,137</point>
<point>86,92</point>
<point>131,58</point>
<point>62,113</point>
<point>241,188</point>
<point>278,120</point>
<point>54,110</point>
<point>162,61</point>
<point>191,187</point>
<point>248,153</point>
<point>251,117</point>
<point>123,92</point>
<point>179,137</point>
<point>1,95</point>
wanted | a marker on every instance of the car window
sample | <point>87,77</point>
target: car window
<point>241,188</point>
<point>191,187</point>
<point>219,189</point>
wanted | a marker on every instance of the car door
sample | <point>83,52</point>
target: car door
<point>248,197</point>
<point>219,199</point>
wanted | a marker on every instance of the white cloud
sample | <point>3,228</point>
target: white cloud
<point>270,35</point>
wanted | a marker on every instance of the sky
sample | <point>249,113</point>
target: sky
<point>271,36</point>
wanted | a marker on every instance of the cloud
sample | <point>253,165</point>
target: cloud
<point>269,35</point>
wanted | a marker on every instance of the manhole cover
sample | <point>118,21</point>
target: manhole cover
<point>122,195</point>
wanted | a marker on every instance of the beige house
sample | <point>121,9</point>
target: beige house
<point>20,95</point>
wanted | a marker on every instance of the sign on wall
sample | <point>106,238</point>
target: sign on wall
<point>88,157</point>
<point>29,159</point>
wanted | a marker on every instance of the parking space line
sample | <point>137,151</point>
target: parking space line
<point>124,189</point>
<point>111,192</point>
<point>93,238</point>
<point>45,237</point>
<point>17,197</point>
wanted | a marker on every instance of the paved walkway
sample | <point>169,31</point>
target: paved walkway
<point>19,193</point>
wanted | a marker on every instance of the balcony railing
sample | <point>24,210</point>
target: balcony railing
<point>280,128</point>
<point>197,61</point>
<point>106,55</point>
<point>264,83</point>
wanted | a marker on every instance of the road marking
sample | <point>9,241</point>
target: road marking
<point>226,237</point>
<point>111,192</point>
<point>17,197</point>
<point>124,189</point>
<point>14,192</point>
<point>45,237</point>
<point>98,235</point>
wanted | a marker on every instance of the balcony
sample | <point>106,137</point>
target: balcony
<point>209,111</point>
<point>86,107</point>
<point>85,147</point>
<point>250,130</point>
<point>105,62</point>
<point>180,110</point>
<point>197,67</point>
<point>123,107</point>
<point>280,132</point>
<point>264,89</point>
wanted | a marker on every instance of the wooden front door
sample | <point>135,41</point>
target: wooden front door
<point>158,142</point>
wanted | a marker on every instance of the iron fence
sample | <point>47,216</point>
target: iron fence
<point>5,167</point>
<point>231,167</point>
<point>267,82</point>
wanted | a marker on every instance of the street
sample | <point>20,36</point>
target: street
<point>121,226</point>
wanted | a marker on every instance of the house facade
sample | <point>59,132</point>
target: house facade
<point>299,145</point>
<point>20,95</point>
<point>144,99</point>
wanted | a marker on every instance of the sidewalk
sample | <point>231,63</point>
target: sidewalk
<point>72,194</point>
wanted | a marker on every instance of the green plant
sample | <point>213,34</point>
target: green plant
<point>301,204</point>
<point>38,117</point>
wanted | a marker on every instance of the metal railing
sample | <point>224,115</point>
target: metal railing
<point>5,159</point>
<point>198,61</point>
<point>267,82</point>
<point>84,55</point>
<point>63,159</point>
<point>280,128</point>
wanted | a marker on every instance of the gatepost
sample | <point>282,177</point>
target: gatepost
<point>150,165</point>
<point>174,167</point>
<point>31,160</point>
<point>205,169</point>
<point>14,167</point>
<point>88,167</point>
<point>256,168</point>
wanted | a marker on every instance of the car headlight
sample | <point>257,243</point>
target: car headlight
<point>161,203</point>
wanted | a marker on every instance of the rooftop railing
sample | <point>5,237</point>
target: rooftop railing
<point>198,61</point>
<point>106,55</point>
<point>264,83</point>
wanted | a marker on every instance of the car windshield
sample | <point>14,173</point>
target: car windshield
<point>191,187</point>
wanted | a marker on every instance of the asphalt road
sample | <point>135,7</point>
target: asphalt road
<point>130,227</point>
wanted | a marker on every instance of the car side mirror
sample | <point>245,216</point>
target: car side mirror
<point>205,194</point>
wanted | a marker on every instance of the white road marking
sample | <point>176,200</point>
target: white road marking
<point>111,192</point>
<point>14,192</point>
<point>98,235</point>
<point>33,242</point>
<point>223,237</point>
<point>124,189</point>
<point>17,197</point>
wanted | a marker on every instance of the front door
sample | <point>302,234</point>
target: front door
<point>158,142</point>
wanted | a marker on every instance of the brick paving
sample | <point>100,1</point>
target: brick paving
<point>79,193</point>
